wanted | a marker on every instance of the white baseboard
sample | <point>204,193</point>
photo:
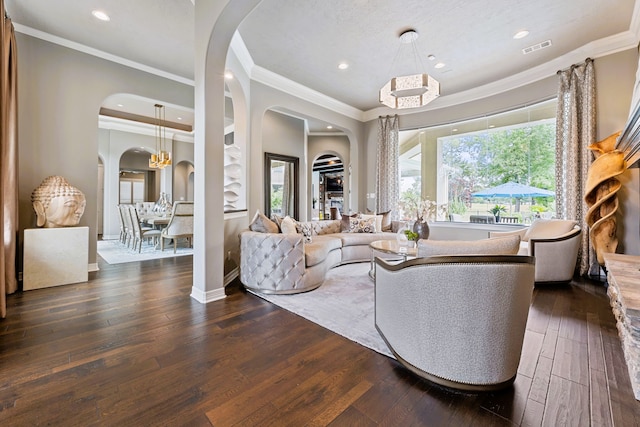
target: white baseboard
<point>209,296</point>
<point>93,267</point>
<point>110,236</point>
<point>231,276</point>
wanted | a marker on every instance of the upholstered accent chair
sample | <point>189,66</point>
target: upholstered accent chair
<point>554,243</point>
<point>180,225</point>
<point>458,320</point>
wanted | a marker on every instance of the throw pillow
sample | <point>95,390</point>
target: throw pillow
<point>378,221</point>
<point>345,222</point>
<point>277,219</point>
<point>386,221</point>
<point>508,245</point>
<point>359,225</point>
<point>304,229</point>
<point>548,228</point>
<point>288,225</point>
<point>262,224</point>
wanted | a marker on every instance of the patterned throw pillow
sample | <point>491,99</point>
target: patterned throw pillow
<point>362,225</point>
<point>376,218</point>
<point>305,230</point>
<point>345,224</point>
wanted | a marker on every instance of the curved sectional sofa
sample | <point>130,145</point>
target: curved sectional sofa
<point>276,263</point>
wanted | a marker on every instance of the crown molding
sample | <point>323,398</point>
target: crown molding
<point>99,53</point>
<point>122,125</point>
<point>242,53</point>
<point>276,81</point>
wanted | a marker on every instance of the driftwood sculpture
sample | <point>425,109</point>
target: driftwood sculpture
<point>601,195</point>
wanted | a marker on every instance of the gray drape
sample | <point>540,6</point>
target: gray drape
<point>575,130</point>
<point>8,159</point>
<point>387,169</point>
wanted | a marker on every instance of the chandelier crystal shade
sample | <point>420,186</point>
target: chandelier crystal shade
<point>415,90</point>
<point>161,158</point>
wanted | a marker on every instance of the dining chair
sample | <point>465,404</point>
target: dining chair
<point>180,225</point>
<point>139,233</point>
<point>128,226</point>
<point>123,229</point>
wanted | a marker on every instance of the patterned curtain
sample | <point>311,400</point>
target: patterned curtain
<point>575,130</point>
<point>387,169</point>
<point>8,159</point>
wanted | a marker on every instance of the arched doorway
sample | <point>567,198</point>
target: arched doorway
<point>328,183</point>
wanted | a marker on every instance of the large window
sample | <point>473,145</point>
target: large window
<point>448,164</point>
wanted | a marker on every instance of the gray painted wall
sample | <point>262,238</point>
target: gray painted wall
<point>61,91</point>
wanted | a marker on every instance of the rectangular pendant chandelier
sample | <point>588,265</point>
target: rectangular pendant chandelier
<point>162,157</point>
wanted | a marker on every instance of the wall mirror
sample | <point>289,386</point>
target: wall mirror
<point>281,185</point>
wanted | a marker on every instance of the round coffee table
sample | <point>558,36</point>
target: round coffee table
<point>389,247</point>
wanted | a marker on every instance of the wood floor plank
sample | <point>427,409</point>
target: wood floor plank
<point>572,361</point>
<point>531,348</point>
<point>541,378</point>
<point>131,347</point>
<point>567,405</point>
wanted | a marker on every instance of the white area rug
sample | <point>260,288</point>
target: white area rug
<point>113,252</point>
<point>343,304</point>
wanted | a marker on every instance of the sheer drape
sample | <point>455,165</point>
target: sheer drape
<point>8,159</point>
<point>575,130</point>
<point>387,169</point>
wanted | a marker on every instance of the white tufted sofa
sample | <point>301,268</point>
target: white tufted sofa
<point>276,263</point>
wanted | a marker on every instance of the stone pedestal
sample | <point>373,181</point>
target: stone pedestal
<point>55,256</point>
<point>624,292</point>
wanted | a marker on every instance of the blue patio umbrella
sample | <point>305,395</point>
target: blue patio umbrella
<point>513,189</point>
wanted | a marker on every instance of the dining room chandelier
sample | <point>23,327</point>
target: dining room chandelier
<point>161,158</point>
<point>410,91</point>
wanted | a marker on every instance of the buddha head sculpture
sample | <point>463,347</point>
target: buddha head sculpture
<point>57,203</point>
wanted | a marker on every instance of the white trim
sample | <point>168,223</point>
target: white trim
<point>99,53</point>
<point>234,215</point>
<point>93,266</point>
<point>116,123</point>
<point>207,297</point>
<point>110,236</point>
<point>242,53</point>
<point>276,81</point>
<point>334,133</point>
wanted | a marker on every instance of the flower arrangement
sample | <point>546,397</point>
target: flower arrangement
<point>425,210</point>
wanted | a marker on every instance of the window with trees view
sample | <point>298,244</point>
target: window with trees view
<point>448,164</point>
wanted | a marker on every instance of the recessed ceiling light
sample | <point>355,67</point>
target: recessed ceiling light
<point>179,118</point>
<point>521,34</point>
<point>329,127</point>
<point>101,15</point>
<point>454,130</point>
<point>343,65</point>
<point>431,57</point>
<point>492,126</point>
<point>120,105</point>
<point>228,75</point>
<point>439,65</point>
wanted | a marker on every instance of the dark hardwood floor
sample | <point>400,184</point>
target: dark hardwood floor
<point>131,348</point>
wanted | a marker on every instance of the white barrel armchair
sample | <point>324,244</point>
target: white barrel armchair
<point>554,243</point>
<point>458,321</point>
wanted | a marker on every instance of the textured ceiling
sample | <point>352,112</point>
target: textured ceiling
<point>304,40</point>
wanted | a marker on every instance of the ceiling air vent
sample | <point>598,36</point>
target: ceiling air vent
<point>535,47</point>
